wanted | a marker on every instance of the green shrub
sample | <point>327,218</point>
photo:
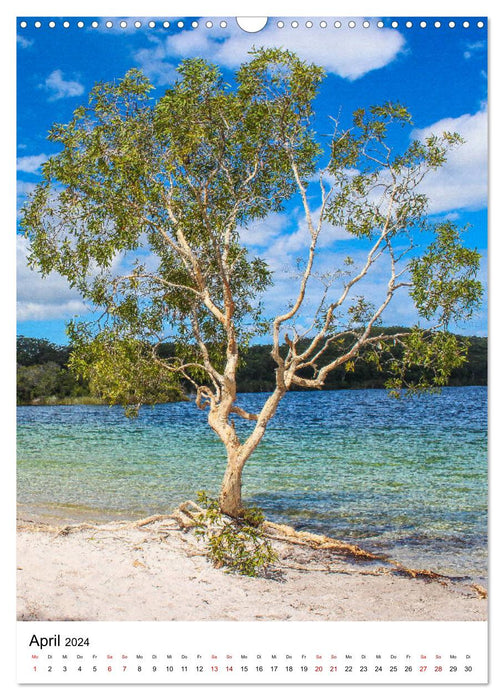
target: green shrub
<point>236,544</point>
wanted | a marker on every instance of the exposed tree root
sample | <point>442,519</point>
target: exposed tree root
<point>314,541</point>
<point>480,590</point>
<point>331,569</point>
<point>184,518</point>
<point>298,537</point>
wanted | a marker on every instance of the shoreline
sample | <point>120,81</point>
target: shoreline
<point>159,571</point>
<point>94,401</point>
<point>68,515</point>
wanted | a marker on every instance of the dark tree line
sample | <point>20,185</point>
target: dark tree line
<point>257,372</point>
<point>38,351</point>
<point>42,371</point>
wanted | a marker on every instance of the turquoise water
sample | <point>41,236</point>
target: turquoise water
<point>407,478</point>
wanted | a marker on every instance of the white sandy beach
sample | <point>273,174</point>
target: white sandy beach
<point>160,572</point>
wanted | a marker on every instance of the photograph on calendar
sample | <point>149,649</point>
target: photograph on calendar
<point>252,320</point>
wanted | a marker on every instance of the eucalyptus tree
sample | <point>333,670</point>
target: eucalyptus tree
<point>143,212</point>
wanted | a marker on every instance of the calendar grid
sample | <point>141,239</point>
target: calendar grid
<point>175,652</point>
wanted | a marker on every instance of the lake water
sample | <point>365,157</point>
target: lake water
<point>407,478</point>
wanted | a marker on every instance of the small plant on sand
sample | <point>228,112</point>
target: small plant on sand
<point>234,543</point>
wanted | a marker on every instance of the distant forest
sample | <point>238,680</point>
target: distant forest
<point>43,376</point>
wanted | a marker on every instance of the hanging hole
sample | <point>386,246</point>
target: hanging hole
<point>251,24</point>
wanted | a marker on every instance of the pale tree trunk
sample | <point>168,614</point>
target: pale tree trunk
<point>230,494</point>
<point>230,500</point>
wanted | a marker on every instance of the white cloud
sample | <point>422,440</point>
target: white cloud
<point>298,241</point>
<point>22,190</point>
<point>282,233</point>
<point>462,181</point>
<point>476,47</point>
<point>347,53</point>
<point>153,63</point>
<point>31,164</point>
<point>59,88</point>
<point>261,232</point>
<point>23,42</point>
<point>43,298</point>
<point>35,311</point>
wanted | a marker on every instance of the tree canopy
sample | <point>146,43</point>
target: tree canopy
<point>142,211</point>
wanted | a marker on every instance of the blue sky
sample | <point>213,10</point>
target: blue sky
<point>439,73</point>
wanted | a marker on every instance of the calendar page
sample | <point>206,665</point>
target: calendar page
<point>252,350</point>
